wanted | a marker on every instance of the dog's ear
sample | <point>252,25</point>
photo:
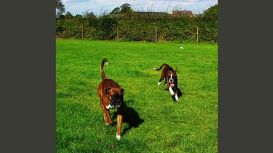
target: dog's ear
<point>122,91</point>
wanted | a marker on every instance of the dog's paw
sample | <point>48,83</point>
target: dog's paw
<point>176,98</point>
<point>108,123</point>
<point>118,137</point>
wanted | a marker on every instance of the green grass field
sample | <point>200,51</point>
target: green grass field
<point>190,125</point>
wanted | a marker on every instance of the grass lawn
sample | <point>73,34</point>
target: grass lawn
<point>190,125</point>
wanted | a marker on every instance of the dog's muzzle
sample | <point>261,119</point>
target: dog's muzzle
<point>109,106</point>
<point>171,83</point>
<point>115,102</point>
<point>112,106</point>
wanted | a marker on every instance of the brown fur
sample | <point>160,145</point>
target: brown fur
<point>166,73</point>
<point>110,92</point>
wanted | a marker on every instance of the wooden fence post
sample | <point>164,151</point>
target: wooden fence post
<point>156,39</point>
<point>82,31</point>
<point>117,33</point>
<point>197,34</point>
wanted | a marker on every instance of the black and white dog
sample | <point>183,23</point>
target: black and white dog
<point>170,76</point>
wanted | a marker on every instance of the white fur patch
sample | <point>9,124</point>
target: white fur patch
<point>176,97</point>
<point>171,91</point>
<point>106,63</point>
<point>108,106</point>
<point>158,83</point>
<point>118,137</point>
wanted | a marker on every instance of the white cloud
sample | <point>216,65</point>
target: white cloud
<point>100,6</point>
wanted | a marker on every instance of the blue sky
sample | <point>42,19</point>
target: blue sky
<point>100,6</point>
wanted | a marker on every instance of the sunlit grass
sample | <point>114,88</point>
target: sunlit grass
<point>191,125</point>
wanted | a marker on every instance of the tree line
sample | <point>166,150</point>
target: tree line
<point>123,23</point>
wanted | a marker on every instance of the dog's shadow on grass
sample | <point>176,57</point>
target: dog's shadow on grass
<point>130,116</point>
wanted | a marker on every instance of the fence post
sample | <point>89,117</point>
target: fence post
<point>197,34</point>
<point>117,33</point>
<point>82,31</point>
<point>156,39</point>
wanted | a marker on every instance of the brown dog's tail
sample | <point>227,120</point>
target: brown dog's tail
<point>160,67</point>
<point>104,61</point>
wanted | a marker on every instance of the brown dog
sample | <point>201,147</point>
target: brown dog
<point>169,74</point>
<point>111,96</point>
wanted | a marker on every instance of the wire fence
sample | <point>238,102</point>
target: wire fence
<point>150,33</point>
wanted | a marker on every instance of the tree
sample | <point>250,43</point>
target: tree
<point>107,27</point>
<point>126,8</point>
<point>209,22</point>
<point>68,15</point>
<point>211,13</point>
<point>78,16</point>
<point>88,14</point>
<point>59,7</point>
<point>115,10</point>
<point>90,18</point>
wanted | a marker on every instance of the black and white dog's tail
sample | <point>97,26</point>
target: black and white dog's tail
<point>160,67</point>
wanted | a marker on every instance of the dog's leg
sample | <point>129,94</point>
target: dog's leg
<point>158,83</point>
<point>176,97</point>
<point>106,116</point>
<point>161,78</point>
<point>165,83</point>
<point>175,93</point>
<point>176,90</point>
<point>171,91</point>
<point>119,123</point>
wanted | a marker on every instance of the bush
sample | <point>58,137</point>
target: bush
<point>136,27</point>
